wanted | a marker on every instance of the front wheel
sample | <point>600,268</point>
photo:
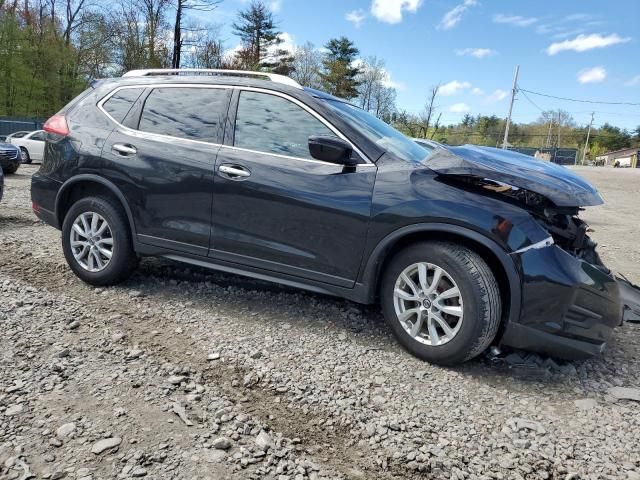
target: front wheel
<point>96,241</point>
<point>441,301</point>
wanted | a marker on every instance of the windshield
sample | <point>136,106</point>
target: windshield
<point>379,132</point>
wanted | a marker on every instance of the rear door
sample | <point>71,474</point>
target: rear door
<point>277,208</point>
<point>162,157</point>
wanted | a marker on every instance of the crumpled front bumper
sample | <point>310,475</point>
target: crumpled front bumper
<point>569,307</point>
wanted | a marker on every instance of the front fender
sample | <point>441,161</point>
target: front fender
<point>373,266</point>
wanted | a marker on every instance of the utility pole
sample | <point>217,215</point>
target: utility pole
<point>586,144</point>
<point>514,90</point>
<point>559,125</point>
<point>549,132</point>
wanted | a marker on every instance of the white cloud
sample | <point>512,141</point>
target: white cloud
<point>477,91</point>
<point>497,96</point>
<point>287,43</point>
<point>476,52</point>
<point>453,87</point>
<point>390,11</point>
<point>592,75</point>
<point>633,82</point>
<point>582,43</point>
<point>275,6</point>
<point>453,16</point>
<point>391,83</point>
<point>515,20</point>
<point>578,17</point>
<point>356,17</point>
<point>459,108</point>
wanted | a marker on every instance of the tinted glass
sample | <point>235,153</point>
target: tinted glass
<point>189,112</point>
<point>379,132</point>
<point>272,124</point>
<point>37,136</point>
<point>121,102</point>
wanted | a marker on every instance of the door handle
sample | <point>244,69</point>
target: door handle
<point>234,171</point>
<point>125,150</point>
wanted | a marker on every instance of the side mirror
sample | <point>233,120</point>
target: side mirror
<point>331,149</point>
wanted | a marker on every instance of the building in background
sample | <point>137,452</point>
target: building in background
<point>561,156</point>
<point>627,157</point>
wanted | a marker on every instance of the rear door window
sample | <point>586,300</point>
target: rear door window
<point>191,113</point>
<point>121,102</point>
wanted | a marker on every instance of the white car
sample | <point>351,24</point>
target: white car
<point>31,145</point>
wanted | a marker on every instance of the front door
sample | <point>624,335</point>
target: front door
<point>277,208</point>
<point>163,161</point>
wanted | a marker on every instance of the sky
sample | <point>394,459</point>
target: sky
<point>581,49</point>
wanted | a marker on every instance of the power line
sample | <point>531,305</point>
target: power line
<point>530,101</point>
<point>579,100</point>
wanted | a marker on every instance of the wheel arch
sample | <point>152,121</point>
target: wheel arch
<point>500,263</point>
<point>85,185</point>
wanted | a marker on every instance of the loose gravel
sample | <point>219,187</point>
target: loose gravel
<point>182,373</point>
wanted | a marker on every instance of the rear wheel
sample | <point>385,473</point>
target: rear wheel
<point>96,241</point>
<point>441,301</point>
<point>24,155</point>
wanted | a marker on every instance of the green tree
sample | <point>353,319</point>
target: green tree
<point>258,32</point>
<point>613,138</point>
<point>340,76</point>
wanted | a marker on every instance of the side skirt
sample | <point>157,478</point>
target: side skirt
<point>357,294</point>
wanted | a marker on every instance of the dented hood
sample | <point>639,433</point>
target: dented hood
<point>559,184</point>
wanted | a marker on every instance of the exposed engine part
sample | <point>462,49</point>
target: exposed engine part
<point>567,230</point>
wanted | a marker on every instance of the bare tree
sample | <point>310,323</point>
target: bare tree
<point>182,9</point>
<point>155,26</point>
<point>374,92</point>
<point>72,17</point>
<point>204,49</point>
<point>429,110</point>
<point>307,62</point>
<point>436,126</point>
<point>372,74</point>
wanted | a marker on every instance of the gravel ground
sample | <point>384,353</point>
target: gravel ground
<point>186,374</point>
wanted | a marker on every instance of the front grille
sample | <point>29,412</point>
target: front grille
<point>8,154</point>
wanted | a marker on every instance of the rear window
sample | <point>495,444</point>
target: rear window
<point>121,102</point>
<point>186,112</point>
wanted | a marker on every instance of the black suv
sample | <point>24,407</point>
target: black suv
<point>252,174</point>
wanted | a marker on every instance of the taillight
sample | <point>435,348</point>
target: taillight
<point>57,124</point>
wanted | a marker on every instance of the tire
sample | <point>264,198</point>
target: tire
<point>24,155</point>
<point>123,260</point>
<point>478,301</point>
<point>11,168</point>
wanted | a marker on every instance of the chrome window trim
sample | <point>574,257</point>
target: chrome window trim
<point>142,134</point>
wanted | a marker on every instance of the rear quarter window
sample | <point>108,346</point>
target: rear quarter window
<point>120,103</point>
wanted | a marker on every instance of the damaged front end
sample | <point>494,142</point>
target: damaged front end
<point>570,301</point>
<point>563,224</point>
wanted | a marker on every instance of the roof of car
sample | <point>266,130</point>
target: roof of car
<point>201,79</point>
<point>216,79</point>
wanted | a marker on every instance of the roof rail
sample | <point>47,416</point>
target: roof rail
<point>205,71</point>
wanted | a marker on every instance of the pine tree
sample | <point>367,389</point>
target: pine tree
<point>340,76</point>
<point>258,31</point>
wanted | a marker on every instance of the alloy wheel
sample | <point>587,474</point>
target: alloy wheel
<point>428,303</point>
<point>91,241</point>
